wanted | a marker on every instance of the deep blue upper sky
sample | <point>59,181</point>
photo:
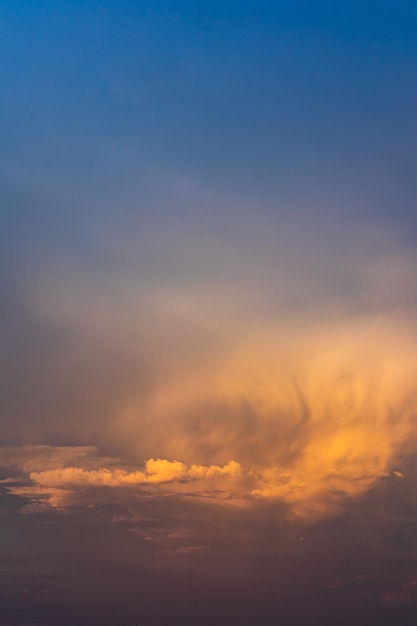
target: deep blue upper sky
<point>290,103</point>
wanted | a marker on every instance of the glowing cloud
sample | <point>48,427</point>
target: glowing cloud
<point>156,471</point>
<point>252,349</point>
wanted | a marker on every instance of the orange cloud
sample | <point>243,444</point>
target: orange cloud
<point>301,370</point>
<point>156,471</point>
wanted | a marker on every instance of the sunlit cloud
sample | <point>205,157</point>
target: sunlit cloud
<point>257,371</point>
<point>156,471</point>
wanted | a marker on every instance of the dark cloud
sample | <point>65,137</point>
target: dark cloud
<point>117,562</point>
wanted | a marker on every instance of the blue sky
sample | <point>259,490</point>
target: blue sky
<point>294,105</point>
<point>268,95</point>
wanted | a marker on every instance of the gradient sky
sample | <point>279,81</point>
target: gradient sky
<point>208,295</point>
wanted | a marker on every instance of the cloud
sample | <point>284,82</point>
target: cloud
<point>32,458</point>
<point>156,471</point>
<point>318,484</point>
<point>397,474</point>
<point>52,476</point>
<point>289,350</point>
<point>405,593</point>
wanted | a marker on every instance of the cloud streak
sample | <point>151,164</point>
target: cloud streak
<point>156,471</point>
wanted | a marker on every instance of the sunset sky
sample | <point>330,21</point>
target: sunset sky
<point>208,306</point>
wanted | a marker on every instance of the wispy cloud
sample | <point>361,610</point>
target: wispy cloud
<point>266,361</point>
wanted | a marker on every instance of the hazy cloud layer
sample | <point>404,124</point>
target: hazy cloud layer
<point>201,345</point>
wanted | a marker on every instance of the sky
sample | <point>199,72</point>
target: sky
<point>208,270</point>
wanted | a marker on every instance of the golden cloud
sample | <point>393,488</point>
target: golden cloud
<point>156,471</point>
<point>300,370</point>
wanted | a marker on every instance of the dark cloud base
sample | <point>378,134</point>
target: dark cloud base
<point>153,560</point>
